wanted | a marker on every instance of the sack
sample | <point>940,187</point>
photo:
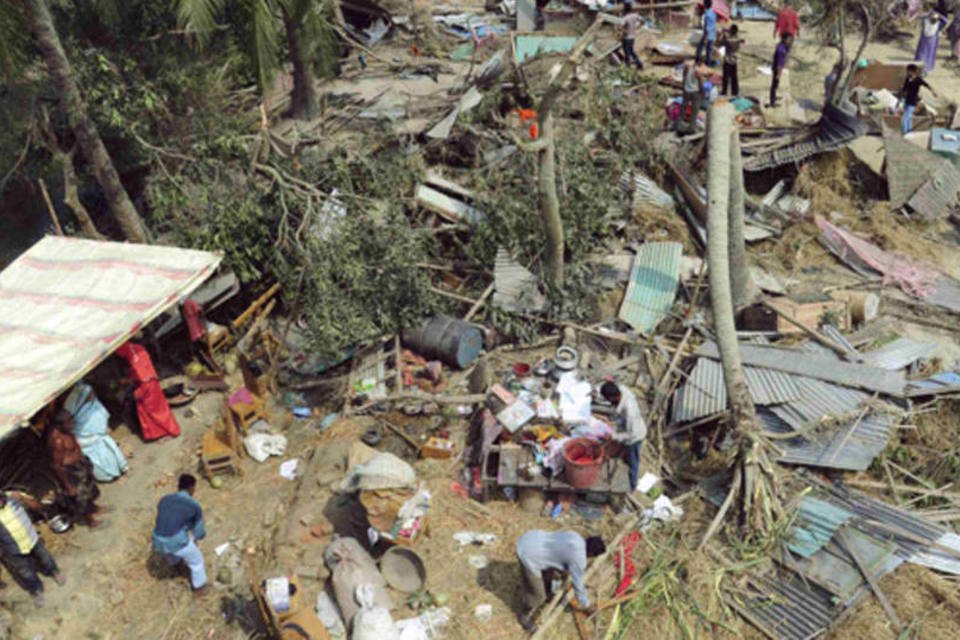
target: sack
<point>261,446</point>
<point>372,622</point>
<point>350,567</point>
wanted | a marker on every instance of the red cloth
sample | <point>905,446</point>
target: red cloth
<point>193,317</point>
<point>788,22</point>
<point>719,7</point>
<point>629,569</point>
<point>153,410</point>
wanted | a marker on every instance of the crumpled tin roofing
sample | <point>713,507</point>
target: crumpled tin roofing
<point>644,190</point>
<point>899,354</point>
<point>850,446</point>
<point>787,607</point>
<point>816,522</point>
<point>516,289</point>
<point>653,285</point>
<point>704,393</point>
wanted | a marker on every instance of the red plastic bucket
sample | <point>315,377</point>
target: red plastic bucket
<point>582,458</point>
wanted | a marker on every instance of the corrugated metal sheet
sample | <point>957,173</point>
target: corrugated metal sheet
<point>815,523</point>
<point>837,336</point>
<point>815,366</point>
<point>818,402</point>
<point>908,168</point>
<point>899,354</point>
<point>939,195</point>
<point>946,294</point>
<point>920,533</point>
<point>705,393</point>
<point>851,447</point>
<point>653,285</point>
<point>643,190</point>
<point>833,569</point>
<point>787,607</point>
<point>515,288</point>
<point>939,560</point>
<point>945,382</point>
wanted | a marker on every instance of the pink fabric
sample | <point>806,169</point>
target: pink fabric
<point>915,277</point>
<point>241,396</point>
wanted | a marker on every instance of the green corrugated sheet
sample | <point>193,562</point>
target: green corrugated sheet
<point>527,47</point>
<point>653,285</point>
<point>815,525</point>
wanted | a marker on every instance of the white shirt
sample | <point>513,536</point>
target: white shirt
<point>631,428</point>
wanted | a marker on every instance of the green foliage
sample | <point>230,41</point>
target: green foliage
<point>14,40</point>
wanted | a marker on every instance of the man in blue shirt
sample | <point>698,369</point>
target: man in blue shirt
<point>179,525</point>
<point>709,37</point>
<point>779,62</point>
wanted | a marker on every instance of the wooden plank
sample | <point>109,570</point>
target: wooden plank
<point>448,208</point>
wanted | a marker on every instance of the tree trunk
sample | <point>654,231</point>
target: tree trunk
<point>304,104</point>
<point>742,287</point>
<point>719,126</point>
<point>71,197</point>
<point>550,203</point>
<point>88,139</point>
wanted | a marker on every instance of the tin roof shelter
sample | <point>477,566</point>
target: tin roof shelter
<point>68,303</point>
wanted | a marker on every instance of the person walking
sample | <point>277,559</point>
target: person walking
<point>788,22</point>
<point>629,27</point>
<point>930,28</point>
<point>631,430</point>
<point>544,555</point>
<point>779,62</point>
<point>731,42</point>
<point>23,550</point>
<point>178,526</point>
<point>709,37</point>
<point>910,97</point>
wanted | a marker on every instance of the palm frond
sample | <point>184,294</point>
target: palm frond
<point>199,17</point>
<point>265,49</point>
<point>14,40</point>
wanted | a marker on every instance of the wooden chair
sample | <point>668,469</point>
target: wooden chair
<point>300,622</point>
<point>247,408</point>
<point>221,448</point>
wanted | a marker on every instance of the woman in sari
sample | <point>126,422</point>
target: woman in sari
<point>930,29</point>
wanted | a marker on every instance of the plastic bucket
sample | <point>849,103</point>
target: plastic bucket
<point>582,459</point>
<point>452,341</point>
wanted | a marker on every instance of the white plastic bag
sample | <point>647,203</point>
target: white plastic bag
<point>372,622</point>
<point>261,446</point>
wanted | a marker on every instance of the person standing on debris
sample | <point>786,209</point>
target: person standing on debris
<point>779,62</point>
<point>910,97</point>
<point>178,526</point>
<point>709,37</point>
<point>23,550</point>
<point>543,554</point>
<point>730,41</point>
<point>74,471</point>
<point>788,22</point>
<point>692,99</point>
<point>631,430</point>
<point>629,27</point>
<point>930,28</point>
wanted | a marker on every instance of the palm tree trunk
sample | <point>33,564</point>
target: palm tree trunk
<point>303,101</point>
<point>88,139</point>
<point>742,287</point>
<point>719,126</point>
<point>550,203</point>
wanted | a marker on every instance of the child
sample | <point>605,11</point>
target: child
<point>779,62</point>
<point>730,41</point>
<point>910,96</point>
<point>709,34</point>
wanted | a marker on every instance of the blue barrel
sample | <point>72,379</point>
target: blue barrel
<point>450,340</point>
